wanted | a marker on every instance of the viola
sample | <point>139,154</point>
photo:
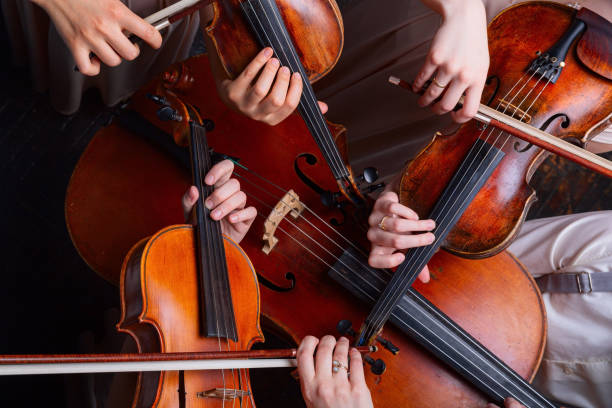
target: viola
<point>474,182</point>
<point>191,289</point>
<point>304,240</point>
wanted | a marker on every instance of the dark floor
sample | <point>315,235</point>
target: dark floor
<point>49,296</point>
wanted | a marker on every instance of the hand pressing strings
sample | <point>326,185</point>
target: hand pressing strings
<point>226,203</point>
<point>393,229</point>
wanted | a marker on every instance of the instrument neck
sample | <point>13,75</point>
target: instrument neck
<point>217,309</point>
<point>437,333</point>
<point>472,174</point>
<point>267,23</point>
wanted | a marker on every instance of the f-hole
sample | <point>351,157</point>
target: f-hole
<point>545,125</point>
<point>328,198</point>
<point>272,286</point>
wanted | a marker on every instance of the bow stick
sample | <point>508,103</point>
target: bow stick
<point>522,130</point>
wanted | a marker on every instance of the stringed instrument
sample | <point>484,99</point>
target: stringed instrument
<point>301,246</point>
<point>190,289</point>
<point>473,183</point>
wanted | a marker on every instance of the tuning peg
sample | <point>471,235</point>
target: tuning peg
<point>158,99</point>
<point>372,188</point>
<point>369,175</point>
<point>166,113</point>
<point>345,327</point>
<point>388,345</point>
<point>208,124</point>
<point>377,367</point>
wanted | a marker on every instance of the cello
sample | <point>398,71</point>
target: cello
<point>293,269</point>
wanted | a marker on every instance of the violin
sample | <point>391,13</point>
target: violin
<point>474,182</point>
<point>307,245</point>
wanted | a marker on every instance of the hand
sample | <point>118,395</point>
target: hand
<point>400,222</point>
<point>99,26</point>
<point>264,91</point>
<point>458,60</point>
<point>321,387</point>
<point>508,403</point>
<point>226,202</point>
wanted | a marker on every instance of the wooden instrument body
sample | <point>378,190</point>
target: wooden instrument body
<point>315,27</point>
<point>489,298</point>
<point>160,310</point>
<point>494,217</point>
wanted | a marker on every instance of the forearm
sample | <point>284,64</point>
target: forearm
<point>448,7</point>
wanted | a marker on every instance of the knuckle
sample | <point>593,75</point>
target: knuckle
<point>259,91</point>
<point>464,77</point>
<point>276,101</point>
<point>446,106</point>
<point>325,392</point>
<point>436,57</point>
<point>397,242</point>
<point>371,235</point>
<point>233,94</point>
<point>115,11</point>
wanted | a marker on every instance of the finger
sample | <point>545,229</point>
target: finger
<point>261,88</point>
<point>424,275</point>
<point>245,216</point>
<point>357,377</point>
<point>305,359</point>
<point>87,66</point>
<point>123,46</point>
<point>512,403</point>
<point>401,225</point>
<point>471,102</point>
<point>137,26</point>
<point>189,199</point>
<point>222,193</point>
<point>323,359</point>
<point>323,106</point>
<point>492,406</point>
<point>435,89</point>
<point>450,98</point>
<point>398,241</point>
<point>400,210</point>
<point>252,70</point>
<point>219,173</point>
<point>426,72</point>
<point>105,53</point>
<point>386,261</point>
<point>386,196</point>
<point>341,355</point>
<point>236,201</point>
<point>278,94</point>
<point>292,99</point>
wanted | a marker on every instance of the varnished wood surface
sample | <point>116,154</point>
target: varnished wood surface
<point>160,310</point>
<point>307,309</point>
<point>494,217</point>
<point>39,151</point>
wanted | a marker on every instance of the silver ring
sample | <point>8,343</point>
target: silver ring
<point>336,365</point>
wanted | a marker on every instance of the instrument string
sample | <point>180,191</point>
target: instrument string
<point>213,264</point>
<point>281,200</point>
<point>338,260</point>
<point>302,203</point>
<point>382,309</point>
<point>432,321</point>
<point>311,111</point>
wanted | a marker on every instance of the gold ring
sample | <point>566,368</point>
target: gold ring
<point>337,365</point>
<point>381,224</point>
<point>436,83</point>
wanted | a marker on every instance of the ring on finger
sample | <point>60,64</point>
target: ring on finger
<point>381,224</point>
<point>336,365</point>
<point>438,84</point>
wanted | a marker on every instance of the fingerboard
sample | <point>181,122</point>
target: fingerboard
<point>217,310</point>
